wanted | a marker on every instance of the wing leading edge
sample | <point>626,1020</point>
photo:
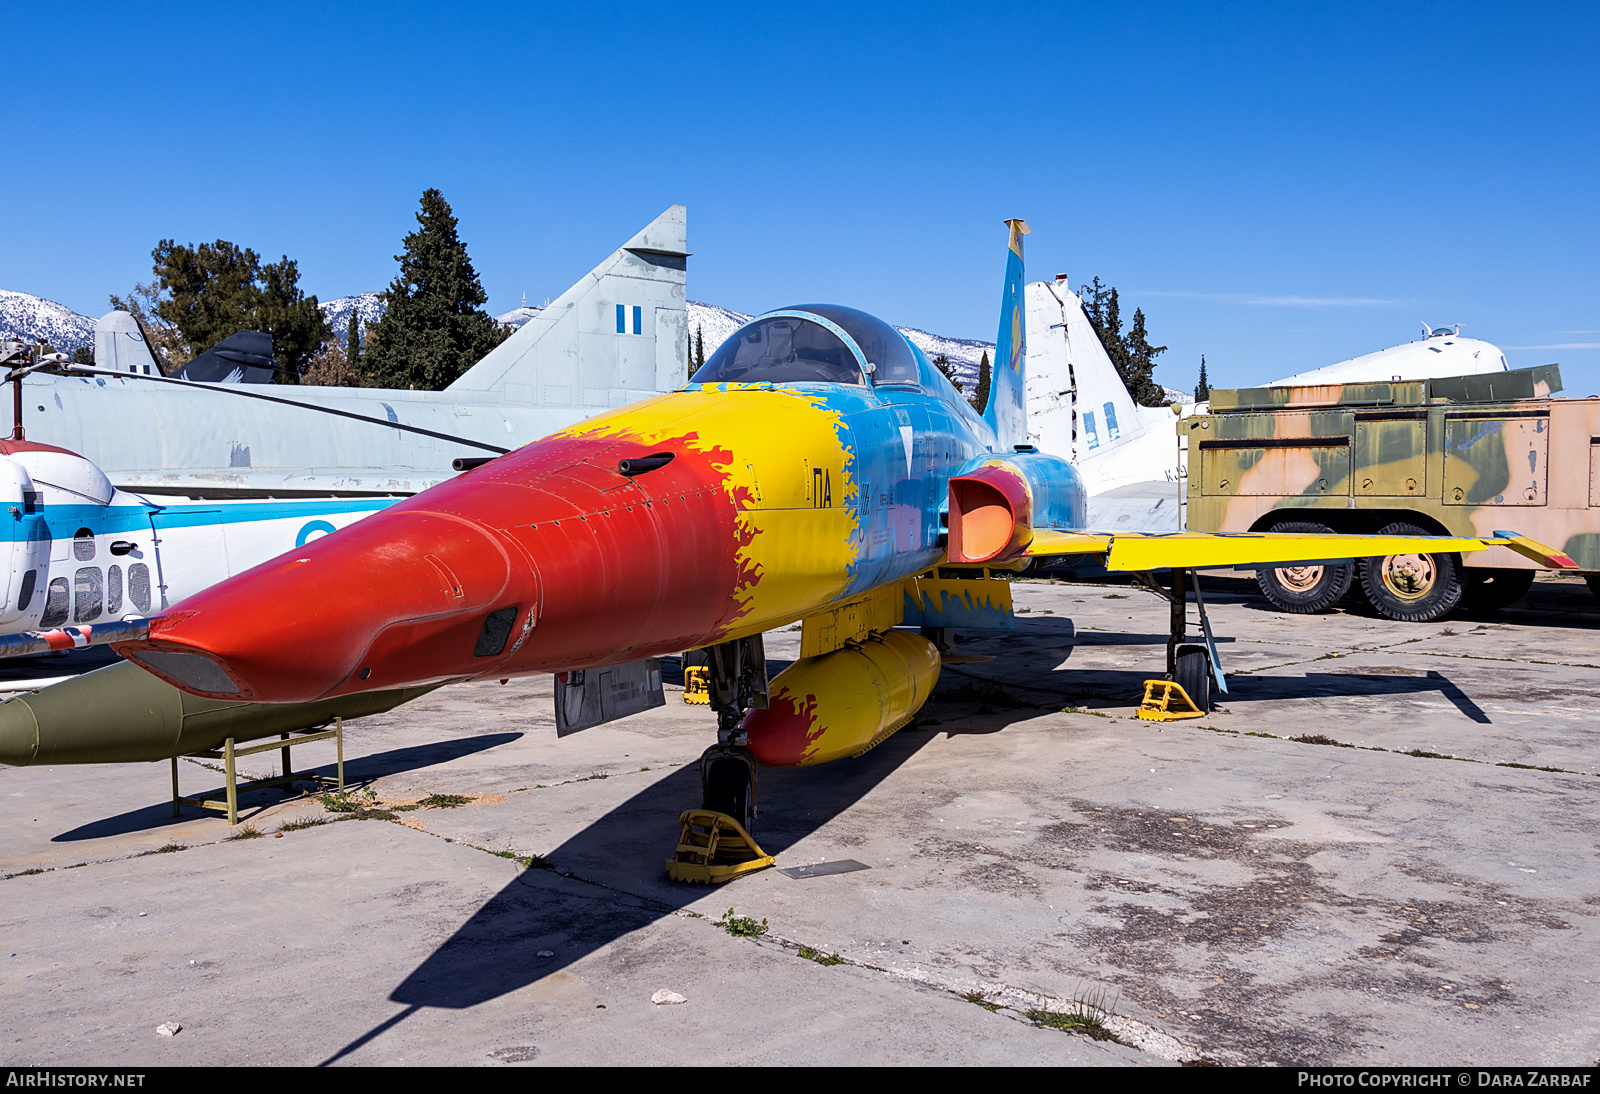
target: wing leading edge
<point>1136,551</point>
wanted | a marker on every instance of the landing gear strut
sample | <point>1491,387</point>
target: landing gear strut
<point>1193,666</point>
<point>738,682</point>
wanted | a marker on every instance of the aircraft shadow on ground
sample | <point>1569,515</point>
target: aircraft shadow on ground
<point>608,880</point>
<point>618,864</point>
<point>362,769</point>
<point>1253,689</point>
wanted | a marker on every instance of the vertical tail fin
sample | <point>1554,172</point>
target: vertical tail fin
<point>618,335</point>
<point>1007,409</point>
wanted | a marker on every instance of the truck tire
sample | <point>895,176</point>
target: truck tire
<point>1192,673</point>
<point>1305,589</point>
<point>1411,588</point>
<point>1489,590</point>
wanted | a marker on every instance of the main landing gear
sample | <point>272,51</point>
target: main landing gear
<point>1193,666</point>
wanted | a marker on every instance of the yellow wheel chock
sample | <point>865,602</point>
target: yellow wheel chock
<point>1166,701</point>
<point>697,685</point>
<point>713,848</point>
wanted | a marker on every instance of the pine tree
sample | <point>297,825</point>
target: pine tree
<point>1202,390</point>
<point>1132,354</point>
<point>215,289</point>
<point>980,397</point>
<point>434,328</point>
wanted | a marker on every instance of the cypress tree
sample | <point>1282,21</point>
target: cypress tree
<point>1202,390</point>
<point>434,328</point>
<point>352,339</point>
<point>980,397</point>
<point>699,350</point>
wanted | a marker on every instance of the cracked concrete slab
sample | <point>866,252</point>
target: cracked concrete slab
<point>1211,889</point>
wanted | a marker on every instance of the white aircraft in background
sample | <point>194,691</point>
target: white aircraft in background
<point>618,335</point>
<point>1078,406</point>
<point>80,551</point>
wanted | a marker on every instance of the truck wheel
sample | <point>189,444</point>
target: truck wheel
<point>1193,674</point>
<point>1487,590</point>
<point>1305,589</point>
<point>1411,588</point>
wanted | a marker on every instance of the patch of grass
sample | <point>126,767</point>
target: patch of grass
<point>1421,755</point>
<point>349,801</point>
<point>303,822</point>
<point>593,775</point>
<point>977,998</point>
<point>1087,1016</point>
<point>528,862</point>
<point>743,926</point>
<point>444,801</point>
<point>1082,710</point>
<point>167,849</point>
<point>1319,739</point>
<point>817,955</point>
<point>372,814</point>
<point>1112,596</point>
<point>249,831</point>
<point>26,873</point>
<point>1447,633</point>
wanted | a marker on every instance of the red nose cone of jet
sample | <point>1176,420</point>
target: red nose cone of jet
<point>354,611</point>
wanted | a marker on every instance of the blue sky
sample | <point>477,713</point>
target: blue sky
<point>1277,186</point>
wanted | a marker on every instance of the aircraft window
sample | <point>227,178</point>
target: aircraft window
<point>139,586</point>
<point>884,346</point>
<point>25,598</point>
<point>55,608</point>
<point>83,545</point>
<point>781,350</point>
<point>88,594</point>
<point>114,590</point>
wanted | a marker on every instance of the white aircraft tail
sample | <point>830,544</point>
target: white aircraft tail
<point>620,334</point>
<point>119,343</point>
<point>1078,406</point>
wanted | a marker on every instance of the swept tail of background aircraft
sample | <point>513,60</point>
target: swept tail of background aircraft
<point>616,336</point>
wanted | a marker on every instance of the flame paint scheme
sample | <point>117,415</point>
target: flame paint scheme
<point>803,476</point>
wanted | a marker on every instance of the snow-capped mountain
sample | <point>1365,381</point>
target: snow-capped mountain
<point>31,318</point>
<point>368,307</point>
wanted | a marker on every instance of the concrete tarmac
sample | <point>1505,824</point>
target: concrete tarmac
<point>1411,881</point>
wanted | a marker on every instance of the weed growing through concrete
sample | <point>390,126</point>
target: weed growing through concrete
<point>1087,1016</point>
<point>977,998</point>
<point>817,955</point>
<point>303,822</point>
<point>349,801</point>
<point>445,801</point>
<point>167,849</point>
<point>743,926</point>
<point>29,872</point>
<point>249,831</point>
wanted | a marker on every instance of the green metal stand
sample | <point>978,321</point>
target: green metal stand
<point>226,800</point>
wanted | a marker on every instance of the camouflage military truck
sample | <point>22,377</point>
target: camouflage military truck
<point>1465,455</point>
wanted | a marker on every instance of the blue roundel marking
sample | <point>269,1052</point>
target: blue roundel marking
<point>312,526</point>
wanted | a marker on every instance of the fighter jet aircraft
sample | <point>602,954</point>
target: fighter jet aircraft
<point>803,475</point>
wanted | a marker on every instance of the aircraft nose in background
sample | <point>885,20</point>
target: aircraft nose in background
<point>346,613</point>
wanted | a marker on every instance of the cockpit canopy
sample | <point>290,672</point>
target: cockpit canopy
<point>803,344</point>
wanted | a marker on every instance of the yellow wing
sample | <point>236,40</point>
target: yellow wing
<point>1135,551</point>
